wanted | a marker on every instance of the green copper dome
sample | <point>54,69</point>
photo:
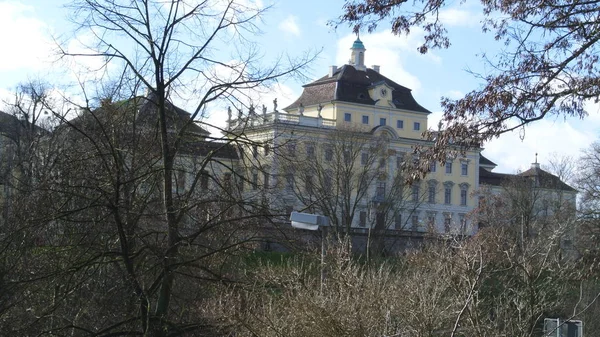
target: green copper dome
<point>358,44</point>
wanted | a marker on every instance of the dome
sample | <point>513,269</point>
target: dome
<point>358,44</point>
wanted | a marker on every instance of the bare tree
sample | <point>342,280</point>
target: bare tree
<point>352,177</point>
<point>141,202</point>
<point>488,286</point>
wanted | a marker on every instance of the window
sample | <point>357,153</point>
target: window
<point>382,121</point>
<point>464,168</point>
<point>365,119</point>
<point>327,182</point>
<point>447,222</point>
<point>289,178</point>
<point>347,157</point>
<point>448,167</point>
<point>399,161</point>
<point>398,220</point>
<point>204,179</point>
<point>381,163</point>
<point>310,150</point>
<point>240,183</point>
<point>227,182</point>
<point>254,151</point>
<point>380,190</point>
<point>431,221</point>
<point>266,179</point>
<point>463,224</point>
<point>448,193</point>
<point>254,181</point>
<point>364,158</point>
<point>417,126</point>
<point>433,166</point>
<point>431,194</point>
<point>308,185</point>
<point>415,193</point>
<point>463,194</point>
<point>415,222</point>
<point>362,219</point>
<point>347,117</point>
<point>267,149</point>
<point>291,149</point>
<point>328,154</point>
<point>400,124</point>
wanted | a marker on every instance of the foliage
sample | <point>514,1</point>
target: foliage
<point>547,68</point>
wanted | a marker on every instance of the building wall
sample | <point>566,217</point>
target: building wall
<point>283,132</point>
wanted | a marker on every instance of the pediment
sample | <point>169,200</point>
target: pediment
<point>381,93</point>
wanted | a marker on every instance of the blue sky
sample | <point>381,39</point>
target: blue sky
<point>294,27</point>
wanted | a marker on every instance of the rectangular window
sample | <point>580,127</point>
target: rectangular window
<point>362,220</point>
<point>204,179</point>
<point>289,178</point>
<point>382,121</point>
<point>381,163</point>
<point>365,119</point>
<point>417,126</point>
<point>254,181</point>
<point>380,190</point>
<point>240,183</point>
<point>364,158</point>
<point>433,167</point>
<point>308,185</point>
<point>447,222</point>
<point>291,149</point>
<point>266,179</point>
<point>448,167</point>
<point>254,151</point>
<point>463,224</point>
<point>415,222</point>
<point>463,197</point>
<point>448,195</point>
<point>398,220</point>
<point>464,169</point>
<point>415,193</point>
<point>347,117</point>
<point>347,157</point>
<point>431,221</point>
<point>431,198</point>
<point>327,181</point>
<point>267,149</point>
<point>310,151</point>
<point>399,161</point>
<point>328,154</point>
<point>227,182</point>
<point>400,124</point>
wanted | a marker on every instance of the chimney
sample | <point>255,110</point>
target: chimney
<point>332,70</point>
<point>376,69</point>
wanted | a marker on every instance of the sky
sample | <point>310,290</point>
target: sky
<point>292,28</point>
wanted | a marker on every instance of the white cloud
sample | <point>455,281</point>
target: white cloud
<point>25,40</point>
<point>387,50</point>
<point>454,94</point>
<point>460,17</point>
<point>290,25</point>
<point>545,137</point>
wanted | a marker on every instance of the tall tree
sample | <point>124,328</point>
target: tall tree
<point>352,177</point>
<point>124,178</point>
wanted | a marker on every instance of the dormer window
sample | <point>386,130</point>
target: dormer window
<point>383,92</point>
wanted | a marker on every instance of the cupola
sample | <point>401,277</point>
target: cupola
<point>357,58</point>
